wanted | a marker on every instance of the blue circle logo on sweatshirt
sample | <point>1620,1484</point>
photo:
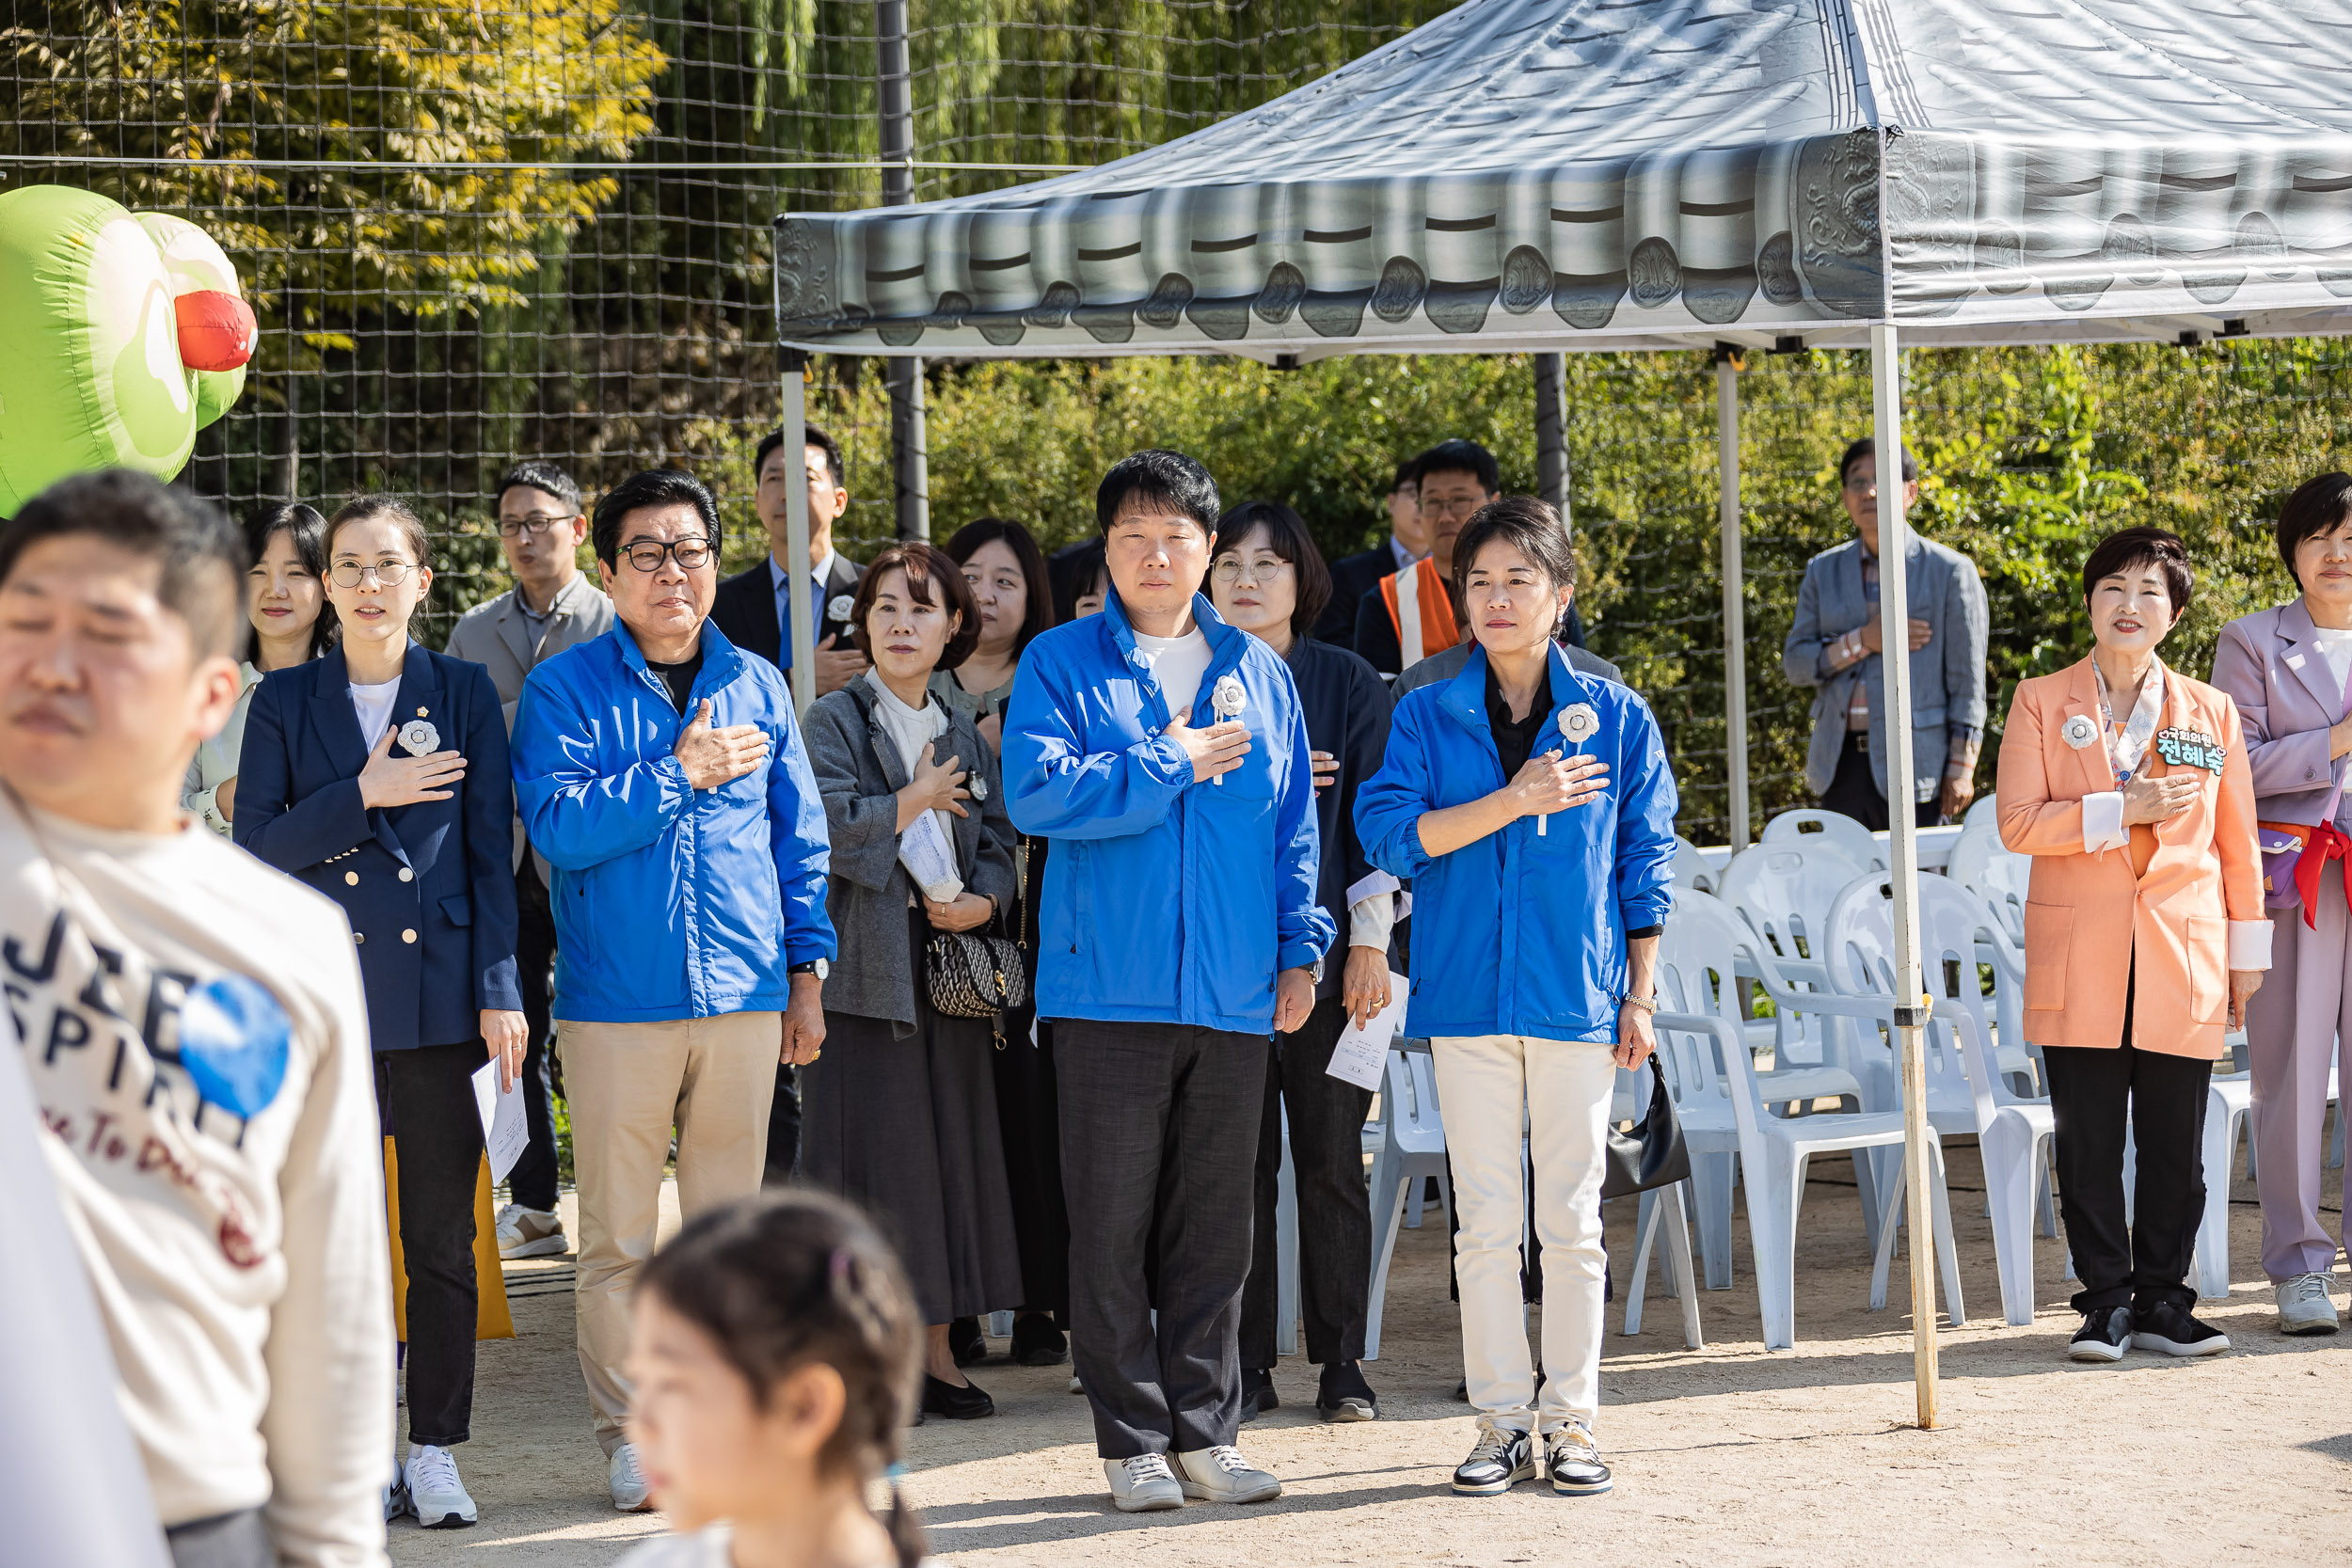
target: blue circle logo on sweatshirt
<point>235,1039</point>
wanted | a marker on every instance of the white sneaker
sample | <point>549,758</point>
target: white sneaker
<point>2304,1307</point>
<point>1143,1484</point>
<point>435,1496</point>
<point>531,1233</point>
<point>1221,1475</point>
<point>631,1492</point>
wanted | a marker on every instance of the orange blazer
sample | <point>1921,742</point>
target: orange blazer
<point>2091,925</point>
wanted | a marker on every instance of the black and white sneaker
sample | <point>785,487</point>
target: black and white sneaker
<point>2104,1336</point>
<point>1574,1463</point>
<point>1502,1459</point>
<point>2169,1327</point>
<point>1343,1394</point>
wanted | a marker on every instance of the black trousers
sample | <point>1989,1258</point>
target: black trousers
<point>783,1130</point>
<point>1853,792</point>
<point>1159,1135</point>
<point>1326,1119</point>
<point>532,1180</point>
<point>1028,1116</point>
<point>2091,1092</point>
<point>424,1098</point>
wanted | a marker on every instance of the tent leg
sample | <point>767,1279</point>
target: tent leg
<point>795,432</point>
<point>1735,607</point>
<point>1551,431</point>
<point>1911,1010</point>
<point>909,447</point>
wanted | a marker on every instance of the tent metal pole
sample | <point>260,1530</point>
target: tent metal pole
<point>795,433</point>
<point>1551,432</point>
<point>1735,606</point>
<point>1911,999</point>
<point>911,480</point>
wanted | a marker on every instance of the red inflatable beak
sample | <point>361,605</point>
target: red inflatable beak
<point>217,331</point>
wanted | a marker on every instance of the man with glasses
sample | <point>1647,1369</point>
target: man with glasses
<point>660,770</point>
<point>1354,576</point>
<point>1835,647</point>
<point>553,606</point>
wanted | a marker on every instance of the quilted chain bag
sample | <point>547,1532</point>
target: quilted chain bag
<point>973,976</point>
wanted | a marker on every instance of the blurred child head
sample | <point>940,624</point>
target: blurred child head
<point>776,1358</point>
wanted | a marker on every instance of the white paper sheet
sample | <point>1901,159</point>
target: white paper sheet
<point>505,1132</point>
<point>1360,1056</point>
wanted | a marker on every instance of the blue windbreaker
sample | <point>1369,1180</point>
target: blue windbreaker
<point>1519,934</point>
<point>670,902</point>
<point>1164,901</point>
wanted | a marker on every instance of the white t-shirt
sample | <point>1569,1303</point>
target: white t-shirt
<point>374,706</point>
<point>195,1035</point>
<point>1179,662</point>
<point>2336,648</point>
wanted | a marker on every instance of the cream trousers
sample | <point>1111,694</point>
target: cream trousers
<point>1488,1088</point>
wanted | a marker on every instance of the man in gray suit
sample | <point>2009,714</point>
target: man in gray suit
<point>553,606</point>
<point>1834,646</point>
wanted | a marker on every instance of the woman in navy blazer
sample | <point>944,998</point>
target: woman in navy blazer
<point>378,775</point>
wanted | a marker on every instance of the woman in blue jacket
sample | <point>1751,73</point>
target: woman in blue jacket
<point>378,774</point>
<point>1533,812</point>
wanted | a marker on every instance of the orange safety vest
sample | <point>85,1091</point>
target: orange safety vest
<point>1421,610</point>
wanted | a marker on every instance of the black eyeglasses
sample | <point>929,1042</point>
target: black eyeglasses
<point>693,553</point>
<point>538,522</point>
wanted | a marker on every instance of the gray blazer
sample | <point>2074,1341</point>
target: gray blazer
<point>858,773</point>
<point>1946,675</point>
<point>2287,699</point>
<point>1445,665</point>
<point>496,635</point>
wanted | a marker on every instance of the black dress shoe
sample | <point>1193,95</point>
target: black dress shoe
<point>1344,1396</point>
<point>967,1403</point>
<point>1037,1342</point>
<point>966,1343</point>
<point>1257,1393</point>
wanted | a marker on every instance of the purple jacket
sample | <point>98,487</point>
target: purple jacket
<point>2287,698</point>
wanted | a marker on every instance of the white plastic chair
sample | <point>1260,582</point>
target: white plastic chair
<point>1412,1151</point>
<point>1703,1055</point>
<point>1784,891</point>
<point>1630,1101</point>
<point>1803,825</point>
<point>1984,808</point>
<point>1690,870</point>
<point>2228,1103</point>
<point>1998,875</point>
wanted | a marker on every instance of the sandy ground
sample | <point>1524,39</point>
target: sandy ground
<point>1728,1455</point>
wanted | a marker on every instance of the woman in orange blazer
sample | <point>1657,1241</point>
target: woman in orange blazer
<point>2145,934</point>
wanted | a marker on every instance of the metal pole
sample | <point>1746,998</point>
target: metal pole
<point>1910,1000</point>
<point>910,484</point>
<point>797,564</point>
<point>1551,431</point>
<point>1735,605</point>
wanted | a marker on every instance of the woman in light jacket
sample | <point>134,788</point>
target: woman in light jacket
<point>900,1113</point>
<point>1533,967</point>
<point>2127,783</point>
<point>2290,671</point>
<point>292,623</point>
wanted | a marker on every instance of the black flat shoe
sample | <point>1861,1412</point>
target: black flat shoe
<point>1257,1393</point>
<point>966,1343</point>
<point>1037,1342</point>
<point>1344,1396</point>
<point>967,1403</point>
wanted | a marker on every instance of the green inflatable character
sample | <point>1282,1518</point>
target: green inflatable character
<point>124,336</point>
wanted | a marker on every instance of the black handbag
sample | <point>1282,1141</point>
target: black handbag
<point>973,976</point>
<point>1652,1154</point>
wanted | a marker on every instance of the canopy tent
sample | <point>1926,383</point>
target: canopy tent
<point>1587,175</point>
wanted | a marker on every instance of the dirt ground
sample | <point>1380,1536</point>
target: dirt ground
<point>1725,1456</point>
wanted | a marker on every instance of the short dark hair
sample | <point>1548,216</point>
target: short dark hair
<point>817,436</point>
<point>1867,447</point>
<point>1458,456</point>
<point>1407,472</point>
<point>2128,547</point>
<point>927,567</point>
<point>1168,479</point>
<point>1039,614</point>
<point>1286,535</point>
<point>392,509</point>
<point>201,557</point>
<point>1075,569</point>
<point>535,473</point>
<point>641,492</point>
<point>1529,526</point>
<point>307,530</point>
<point>2318,506</point>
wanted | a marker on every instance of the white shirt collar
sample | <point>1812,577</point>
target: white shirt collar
<point>818,570</point>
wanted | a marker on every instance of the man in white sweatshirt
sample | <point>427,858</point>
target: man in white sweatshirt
<point>193,1031</point>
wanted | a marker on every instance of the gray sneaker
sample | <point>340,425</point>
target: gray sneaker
<point>2304,1307</point>
<point>1143,1484</point>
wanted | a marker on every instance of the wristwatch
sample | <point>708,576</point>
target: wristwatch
<point>818,967</point>
<point>1647,1004</point>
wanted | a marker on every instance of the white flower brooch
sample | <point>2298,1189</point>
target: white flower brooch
<point>2079,731</point>
<point>420,738</point>
<point>838,606</point>
<point>1579,723</point>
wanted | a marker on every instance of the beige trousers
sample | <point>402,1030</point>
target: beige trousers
<point>627,1085</point>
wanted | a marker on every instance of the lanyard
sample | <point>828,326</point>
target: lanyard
<point>2125,750</point>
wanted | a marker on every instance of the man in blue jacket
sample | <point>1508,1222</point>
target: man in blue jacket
<point>1166,755</point>
<point>660,772</point>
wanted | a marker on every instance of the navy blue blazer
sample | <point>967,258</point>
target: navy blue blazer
<point>429,887</point>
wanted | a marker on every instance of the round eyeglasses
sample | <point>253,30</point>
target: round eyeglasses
<point>390,574</point>
<point>1233,569</point>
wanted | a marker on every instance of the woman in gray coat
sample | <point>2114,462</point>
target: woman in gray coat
<point>900,1113</point>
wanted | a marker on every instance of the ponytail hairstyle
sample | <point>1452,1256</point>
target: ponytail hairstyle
<point>790,1277</point>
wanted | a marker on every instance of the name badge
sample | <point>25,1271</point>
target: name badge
<point>2190,749</point>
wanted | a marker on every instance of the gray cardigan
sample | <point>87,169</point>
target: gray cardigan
<point>858,773</point>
